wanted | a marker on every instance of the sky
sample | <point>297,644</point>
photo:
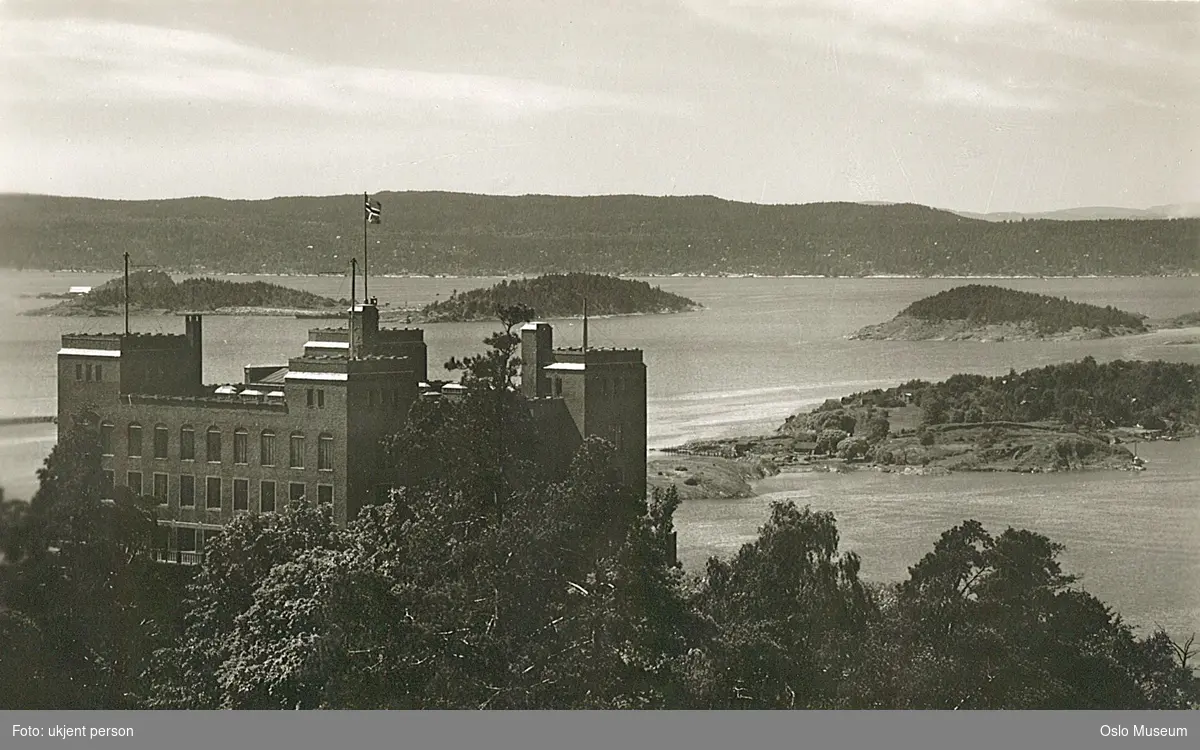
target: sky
<point>971,105</point>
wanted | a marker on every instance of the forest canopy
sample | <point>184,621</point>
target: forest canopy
<point>155,290</point>
<point>985,304</point>
<point>1120,393</point>
<point>559,296</point>
<point>455,233</point>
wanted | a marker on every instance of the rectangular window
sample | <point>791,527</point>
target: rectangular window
<point>187,491</point>
<point>325,494</point>
<point>212,493</point>
<point>110,481</point>
<point>213,446</point>
<point>296,452</point>
<point>320,398</point>
<point>311,398</point>
<point>88,378</point>
<point>558,386</point>
<point>295,493</point>
<point>266,496</point>
<point>187,444</point>
<point>160,442</point>
<point>186,539</point>
<point>106,439</point>
<point>266,449</point>
<point>135,440</point>
<point>133,480</point>
<point>99,377</point>
<point>325,453</point>
<point>241,451</point>
<point>160,488</point>
<point>79,371</point>
<point>241,494</point>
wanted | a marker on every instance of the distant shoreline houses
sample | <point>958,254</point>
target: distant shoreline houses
<point>311,429</point>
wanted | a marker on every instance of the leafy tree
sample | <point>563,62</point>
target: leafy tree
<point>992,622</point>
<point>828,440</point>
<point>496,367</point>
<point>853,448</point>
<point>788,609</point>
<point>85,601</point>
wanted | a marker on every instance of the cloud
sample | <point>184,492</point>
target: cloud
<point>120,62</point>
<point>1049,54</point>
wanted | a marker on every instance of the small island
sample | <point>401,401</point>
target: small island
<point>558,296</point>
<point>155,291</point>
<point>978,312</point>
<point>1072,416</point>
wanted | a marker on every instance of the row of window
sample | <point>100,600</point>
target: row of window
<point>187,490</point>
<point>92,373</point>
<point>213,445</point>
<point>607,386</point>
<point>393,397</point>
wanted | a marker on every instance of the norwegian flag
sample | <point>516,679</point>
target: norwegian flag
<point>373,211</point>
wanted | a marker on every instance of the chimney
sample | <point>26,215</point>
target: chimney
<point>537,351</point>
<point>193,330</point>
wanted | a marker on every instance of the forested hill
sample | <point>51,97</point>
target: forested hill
<point>992,304</point>
<point>1155,395</point>
<point>431,232</point>
<point>560,295</point>
<point>155,290</point>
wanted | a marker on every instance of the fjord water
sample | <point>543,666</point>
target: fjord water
<point>761,349</point>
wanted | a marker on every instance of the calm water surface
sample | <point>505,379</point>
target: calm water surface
<point>761,349</point>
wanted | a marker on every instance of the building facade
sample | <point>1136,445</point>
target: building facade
<point>313,428</point>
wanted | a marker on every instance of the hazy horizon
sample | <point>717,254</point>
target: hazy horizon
<point>975,106</point>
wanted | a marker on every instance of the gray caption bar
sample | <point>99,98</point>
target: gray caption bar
<point>204,730</point>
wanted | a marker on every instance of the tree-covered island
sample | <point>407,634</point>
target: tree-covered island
<point>559,296</point>
<point>157,291</point>
<point>1078,415</point>
<point>991,313</point>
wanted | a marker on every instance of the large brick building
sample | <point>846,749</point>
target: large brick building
<point>312,427</point>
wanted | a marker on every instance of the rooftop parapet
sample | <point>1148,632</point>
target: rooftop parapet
<point>598,356</point>
<point>213,400</point>
<point>396,335</point>
<point>300,367</point>
<point>123,340</point>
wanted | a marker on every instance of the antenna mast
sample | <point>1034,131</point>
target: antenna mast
<point>126,294</point>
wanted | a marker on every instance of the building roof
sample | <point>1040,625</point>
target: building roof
<point>275,378</point>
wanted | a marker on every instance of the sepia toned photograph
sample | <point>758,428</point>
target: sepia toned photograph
<point>644,355</point>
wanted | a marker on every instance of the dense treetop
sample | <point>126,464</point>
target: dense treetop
<point>984,304</point>
<point>156,290</point>
<point>560,295</point>
<point>434,232</point>
<point>1120,393</point>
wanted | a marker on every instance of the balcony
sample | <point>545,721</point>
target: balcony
<point>178,557</point>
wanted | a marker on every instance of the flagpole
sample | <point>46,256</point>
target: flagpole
<point>126,294</point>
<point>353,301</point>
<point>366,296</point>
